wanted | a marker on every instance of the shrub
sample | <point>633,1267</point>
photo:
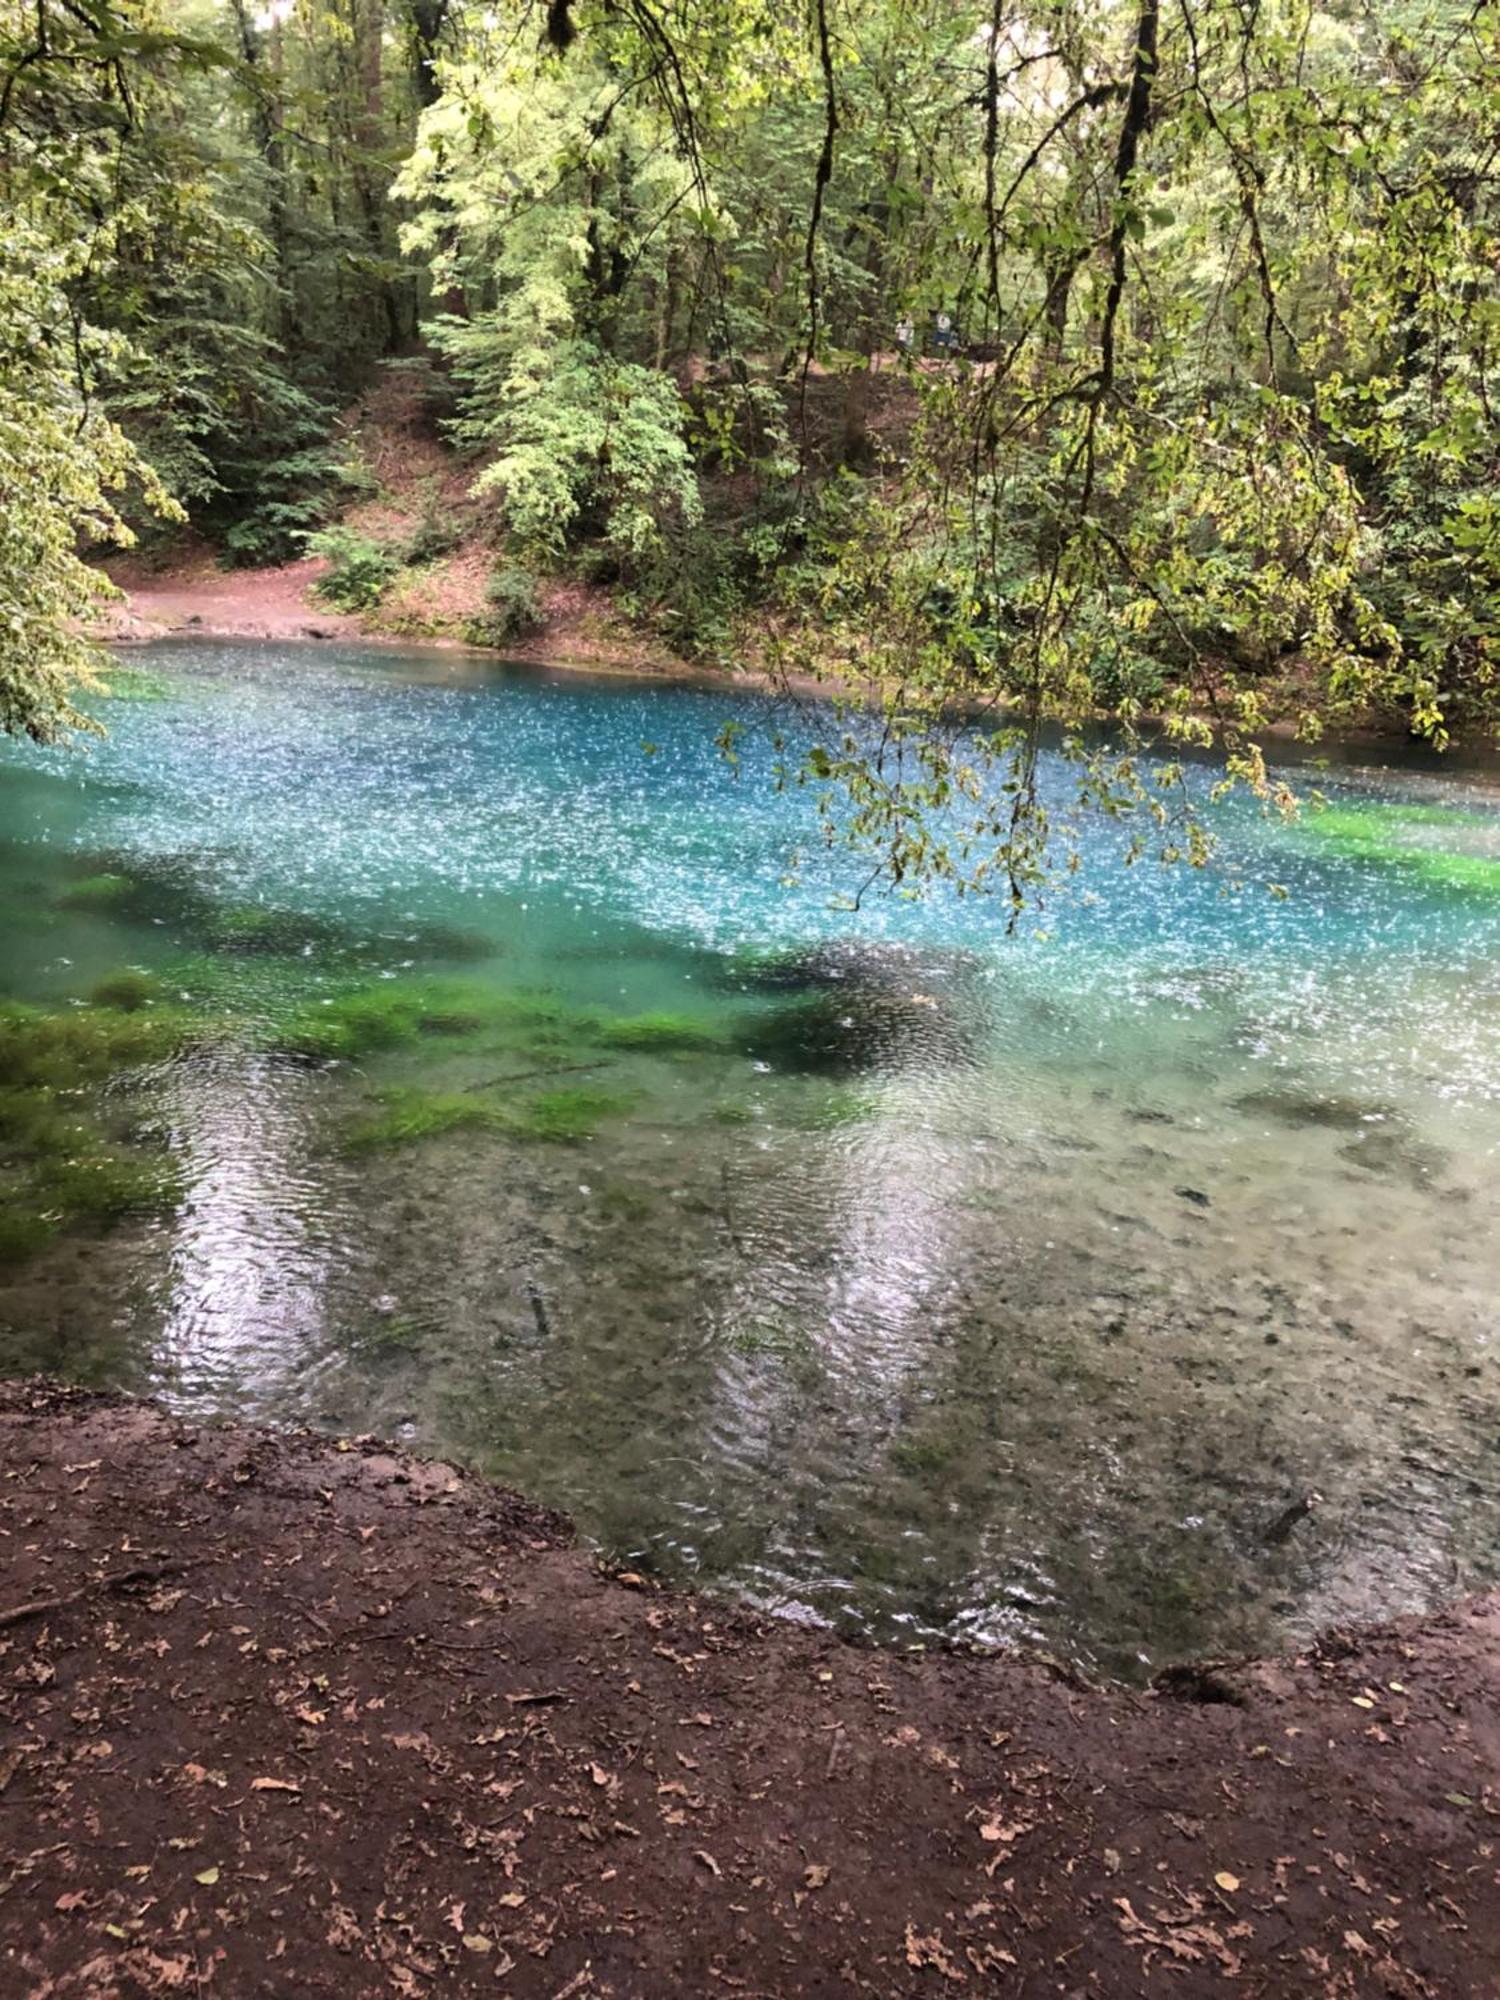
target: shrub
<point>361,570</point>
<point>437,534</point>
<point>512,608</point>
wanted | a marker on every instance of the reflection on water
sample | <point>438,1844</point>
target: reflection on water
<point>265,1238</point>
<point>884,1268</point>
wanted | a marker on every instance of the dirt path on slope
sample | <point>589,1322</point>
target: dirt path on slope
<point>287,1716</point>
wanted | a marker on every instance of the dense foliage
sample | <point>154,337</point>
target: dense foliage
<point>1115,358</point>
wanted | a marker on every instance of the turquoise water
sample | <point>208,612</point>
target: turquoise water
<point>878,1267</point>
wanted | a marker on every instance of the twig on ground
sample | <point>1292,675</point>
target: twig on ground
<point>41,1606</point>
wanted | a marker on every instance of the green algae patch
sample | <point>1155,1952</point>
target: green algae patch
<point>262,930</point>
<point>85,1044</point>
<point>22,1235</point>
<point>920,1457</point>
<point>167,890</point>
<point>60,1162</point>
<point>541,1024</point>
<point>618,1203</point>
<point>1472,874</point>
<point>661,1031</point>
<point>127,992</point>
<point>1379,835</point>
<point>108,1185</point>
<point>406,1116</point>
<point>108,893</point>
<point>389,1014</point>
<point>124,683</point>
<point>844,1105</point>
<point>34,1122</point>
<point>386,1014</point>
<point>564,1116</point>
<point>93,1184</point>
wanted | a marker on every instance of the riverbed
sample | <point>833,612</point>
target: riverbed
<point>409,1044</point>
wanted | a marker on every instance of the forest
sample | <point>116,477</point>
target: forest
<point>1032,370</point>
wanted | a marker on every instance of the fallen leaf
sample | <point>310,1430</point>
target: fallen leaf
<point>197,1775</point>
<point>275,1785</point>
<point>1227,1881</point>
<point>932,1951</point>
<point>72,1900</point>
<point>474,1942</point>
<point>167,1974</point>
<point>208,1877</point>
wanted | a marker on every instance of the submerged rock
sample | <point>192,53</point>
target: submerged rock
<point>1393,1152</point>
<point>836,964</point>
<point>853,1007</point>
<point>1290,1106</point>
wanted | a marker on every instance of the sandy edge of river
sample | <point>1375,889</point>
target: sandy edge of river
<point>286,1714</point>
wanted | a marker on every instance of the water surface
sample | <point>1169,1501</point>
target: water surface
<point>880,1267</point>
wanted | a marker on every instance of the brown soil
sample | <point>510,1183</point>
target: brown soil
<point>285,1716</point>
<point>194,595</point>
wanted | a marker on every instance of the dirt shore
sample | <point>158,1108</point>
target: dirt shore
<point>196,598</point>
<point>286,1715</point>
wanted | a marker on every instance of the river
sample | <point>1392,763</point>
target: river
<point>403,1043</point>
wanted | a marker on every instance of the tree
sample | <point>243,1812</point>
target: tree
<point>67,119</point>
<point>1218,448</point>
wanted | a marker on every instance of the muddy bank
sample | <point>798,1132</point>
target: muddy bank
<point>198,599</point>
<point>287,1715</point>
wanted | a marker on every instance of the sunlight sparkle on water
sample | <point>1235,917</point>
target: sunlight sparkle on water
<point>922,1279</point>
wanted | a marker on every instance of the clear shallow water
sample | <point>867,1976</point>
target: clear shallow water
<point>950,1283</point>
